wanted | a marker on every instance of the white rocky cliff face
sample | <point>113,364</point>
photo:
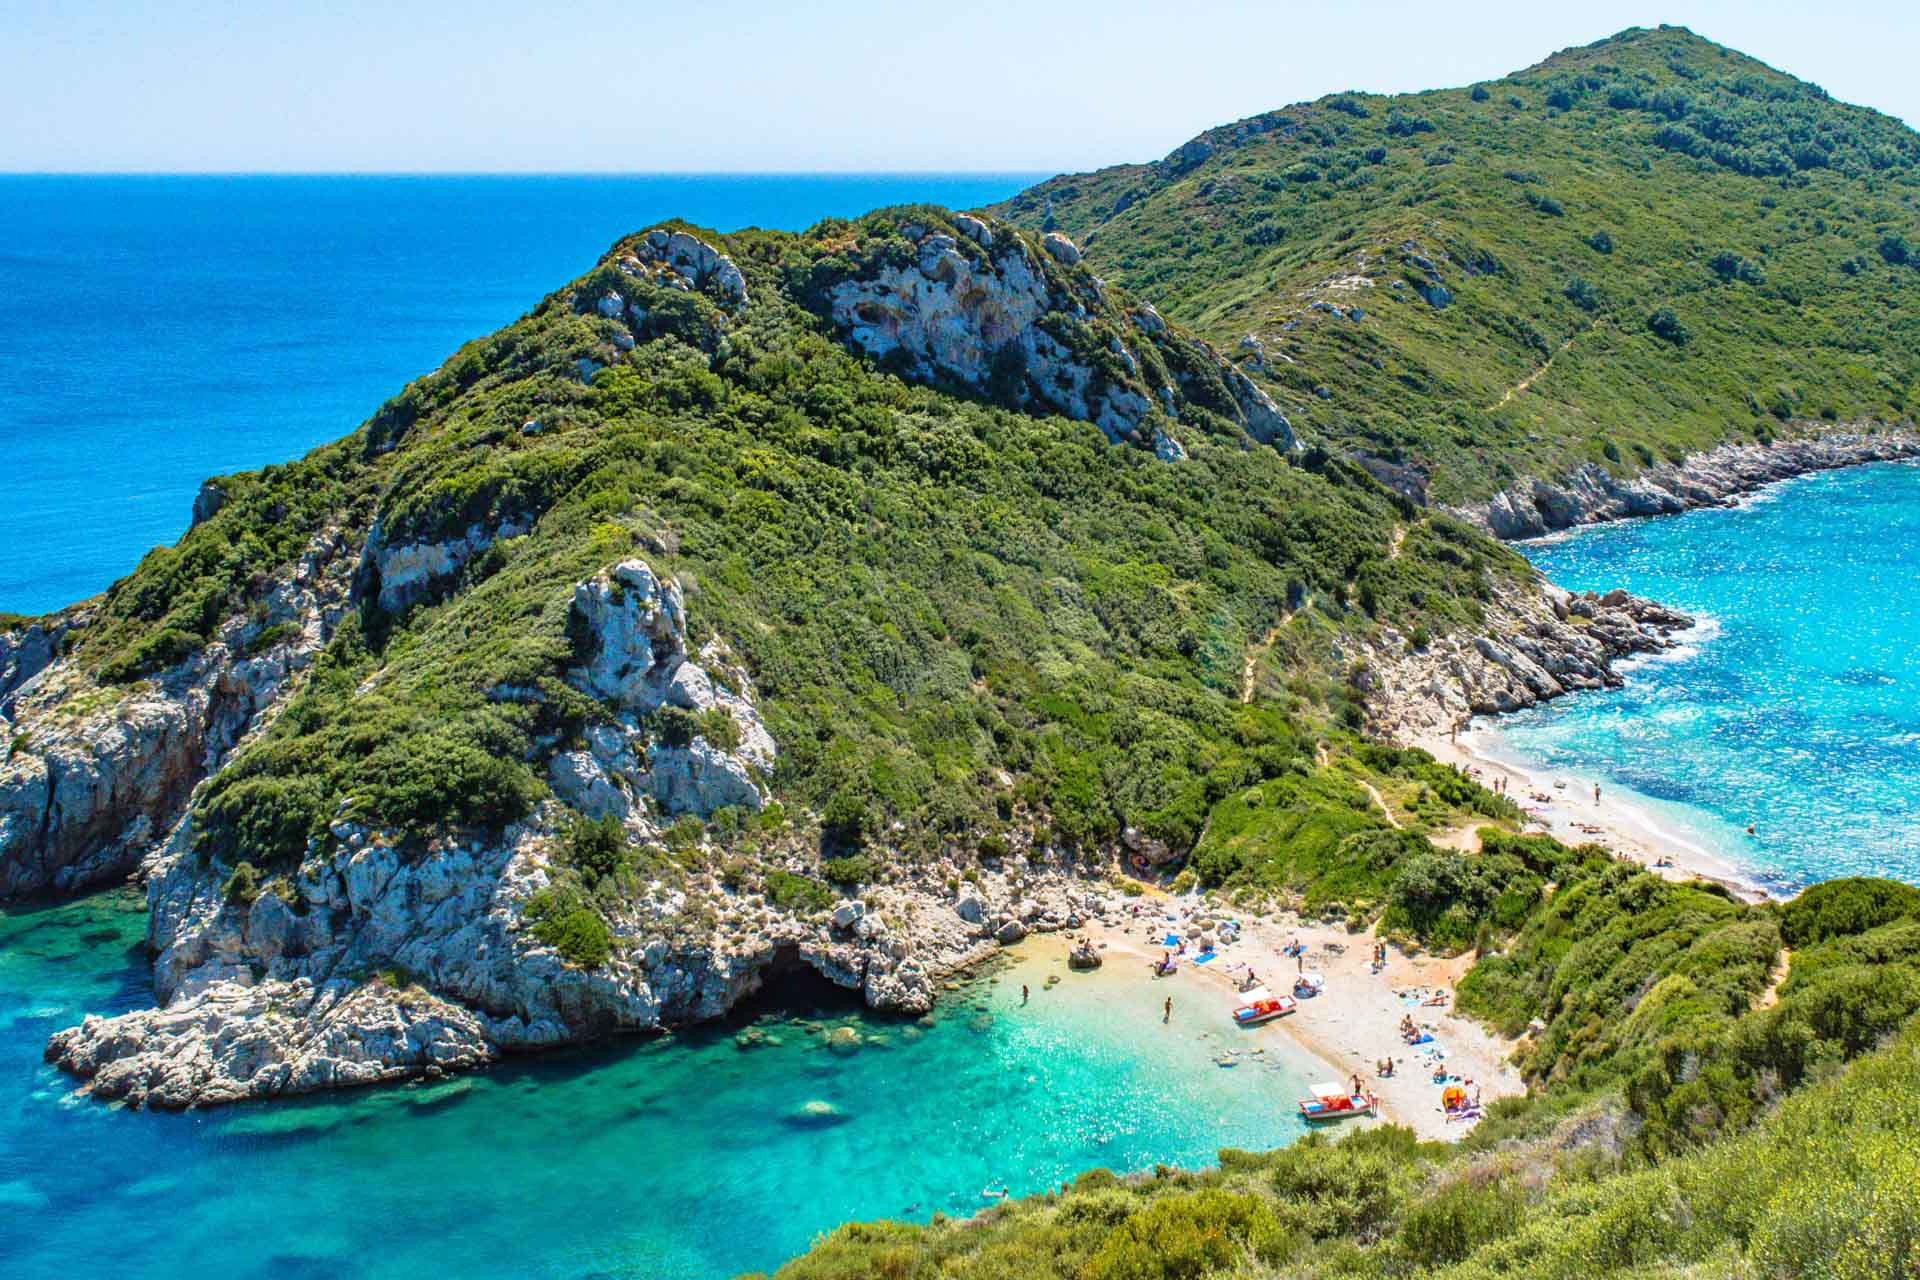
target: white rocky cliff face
<point>981,310</point>
<point>631,628</point>
<point>95,776</point>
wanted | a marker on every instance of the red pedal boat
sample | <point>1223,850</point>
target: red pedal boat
<point>1263,1006</point>
<point>1331,1101</point>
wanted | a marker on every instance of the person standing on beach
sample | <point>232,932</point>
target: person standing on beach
<point>1596,793</point>
<point>1023,993</point>
<point>1167,1014</point>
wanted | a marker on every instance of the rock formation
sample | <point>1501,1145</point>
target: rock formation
<point>1591,494</point>
<point>95,776</point>
<point>1539,642</point>
<point>977,307</point>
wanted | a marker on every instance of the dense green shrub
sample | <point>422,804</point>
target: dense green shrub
<point>563,920</point>
<point>850,871</point>
<point>798,894</point>
<point>1838,908</point>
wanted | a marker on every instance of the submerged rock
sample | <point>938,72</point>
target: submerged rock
<point>816,1114</point>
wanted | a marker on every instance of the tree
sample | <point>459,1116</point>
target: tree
<point>1664,324</point>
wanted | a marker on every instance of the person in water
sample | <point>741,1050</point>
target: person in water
<point>1024,993</point>
<point>1596,793</point>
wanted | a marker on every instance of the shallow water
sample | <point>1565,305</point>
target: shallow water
<point>677,1157</point>
<point>1797,711</point>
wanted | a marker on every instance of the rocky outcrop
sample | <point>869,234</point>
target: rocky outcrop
<point>95,775</point>
<point>708,750</point>
<point>1539,642</point>
<point>977,307</point>
<point>381,963</point>
<point>1591,494</point>
<point>679,261</point>
<point>400,575</point>
<point>30,648</point>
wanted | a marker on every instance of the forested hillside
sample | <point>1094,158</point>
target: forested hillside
<point>1630,251</point>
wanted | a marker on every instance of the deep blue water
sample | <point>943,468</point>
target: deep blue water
<point>155,331</point>
<point>1798,711</point>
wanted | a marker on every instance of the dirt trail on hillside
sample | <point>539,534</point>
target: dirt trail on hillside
<point>1539,373</point>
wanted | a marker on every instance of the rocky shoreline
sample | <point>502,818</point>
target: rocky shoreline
<point>1539,642</point>
<point>421,967</point>
<point>1591,494</point>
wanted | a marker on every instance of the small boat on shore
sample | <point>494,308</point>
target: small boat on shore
<point>1262,1006</point>
<point>1331,1101</point>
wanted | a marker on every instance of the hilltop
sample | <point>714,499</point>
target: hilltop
<point>1629,253</point>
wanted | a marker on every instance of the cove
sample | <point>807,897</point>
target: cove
<point>1797,708</point>
<point>680,1156</point>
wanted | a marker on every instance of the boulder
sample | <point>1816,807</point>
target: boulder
<point>1063,250</point>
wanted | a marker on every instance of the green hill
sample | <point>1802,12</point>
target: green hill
<point>1630,251</point>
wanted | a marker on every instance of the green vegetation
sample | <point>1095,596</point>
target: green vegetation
<point>800,894</point>
<point>1735,231</point>
<point>1631,1159</point>
<point>928,591</point>
<point>565,920</point>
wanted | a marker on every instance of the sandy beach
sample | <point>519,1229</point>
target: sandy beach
<point>1562,804</point>
<point>1349,1028</point>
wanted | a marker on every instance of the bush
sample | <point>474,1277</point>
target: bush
<point>1449,1225</point>
<point>1600,242</point>
<point>849,871</point>
<point>597,849</point>
<point>561,919</point>
<point>1838,908</point>
<point>1480,93</point>
<point>1189,1237</point>
<point>158,651</point>
<point>1893,248</point>
<point>1731,266</point>
<point>797,894</point>
<point>1582,294</point>
<point>1664,324</point>
<point>243,886</point>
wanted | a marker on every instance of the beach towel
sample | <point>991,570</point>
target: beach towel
<point>1203,957</point>
<point>1425,1038</point>
<point>1172,940</point>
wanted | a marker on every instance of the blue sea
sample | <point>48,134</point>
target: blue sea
<point>156,331</point>
<point>1794,710</point>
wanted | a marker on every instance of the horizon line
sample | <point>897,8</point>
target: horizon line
<point>518,173</point>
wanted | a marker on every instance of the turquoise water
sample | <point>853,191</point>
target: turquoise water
<point>158,330</point>
<point>681,1157</point>
<point>1798,712</point>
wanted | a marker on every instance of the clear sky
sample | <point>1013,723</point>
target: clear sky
<point>517,85</point>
